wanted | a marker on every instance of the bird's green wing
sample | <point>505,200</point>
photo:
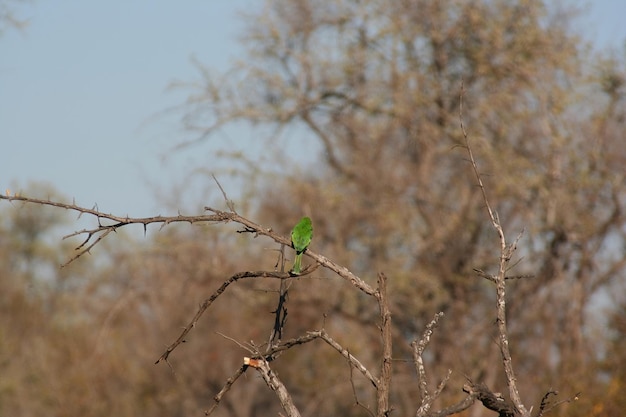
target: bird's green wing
<point>301,237</point>
<point>302,234</point>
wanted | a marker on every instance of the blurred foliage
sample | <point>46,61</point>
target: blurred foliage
<point>375,87</point>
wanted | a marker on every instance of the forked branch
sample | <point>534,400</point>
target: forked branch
<point>427,399</point>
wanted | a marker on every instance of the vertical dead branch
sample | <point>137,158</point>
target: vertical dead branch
<point>418,350</point>
<point>280,316</point>
<point>506,252</point>
<point>385,368</point>
<point>427,399</point>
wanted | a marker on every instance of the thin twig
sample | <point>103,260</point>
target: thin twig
<point>545,405</point>
<point>227,386</point>
<point>354,394</point>
<point>252,351</point>
<point>229,203</point>
<point>346,354</point>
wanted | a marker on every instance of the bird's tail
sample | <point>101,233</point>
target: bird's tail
<point>297,263</point>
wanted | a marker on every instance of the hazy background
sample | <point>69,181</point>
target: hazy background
<point>96,97</point>
<point>84,89</point>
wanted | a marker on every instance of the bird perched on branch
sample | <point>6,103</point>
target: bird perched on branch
<point>301,236</point>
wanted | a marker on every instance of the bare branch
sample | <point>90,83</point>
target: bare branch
<point>356,397</point>
<point>229,203</point>
<point>492,278</point>
<point>464,404</point>
<point>427,400</point>
<point>491,401</point>
<point>280,315</point>
<point>227,386</point>
<point>218,217</point>
<point>418,350</point>
<point>346,354</point>
<point>384,383</point>
<point>545,405</point>
<point>492,216</point>
<point>506,252</point>
<point>442,384</point>
<point>272,381</point>
<point>252,350</point>
<point>206,303</point>
<point>117,221</point>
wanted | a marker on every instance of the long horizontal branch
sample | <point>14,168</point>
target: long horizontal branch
<point>96,234</point>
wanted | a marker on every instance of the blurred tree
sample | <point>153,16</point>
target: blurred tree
<point>376,86</point>
<point>609,400</point>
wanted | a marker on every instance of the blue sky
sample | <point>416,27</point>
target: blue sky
<point>82,86</point>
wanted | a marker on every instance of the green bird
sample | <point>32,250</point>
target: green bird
<point>301,236</point>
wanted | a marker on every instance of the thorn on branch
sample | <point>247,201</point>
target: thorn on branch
<point>523,276</point>
<point>247,229</point>
<point>485,275</point>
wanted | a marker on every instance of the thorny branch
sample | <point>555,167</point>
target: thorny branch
<point>96,234</point>
<point>107,223</point>
<point>280,314</point>
<point>206,303</point>
<point>93,236</point>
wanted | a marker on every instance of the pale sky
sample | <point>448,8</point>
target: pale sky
<point>82,85</point>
